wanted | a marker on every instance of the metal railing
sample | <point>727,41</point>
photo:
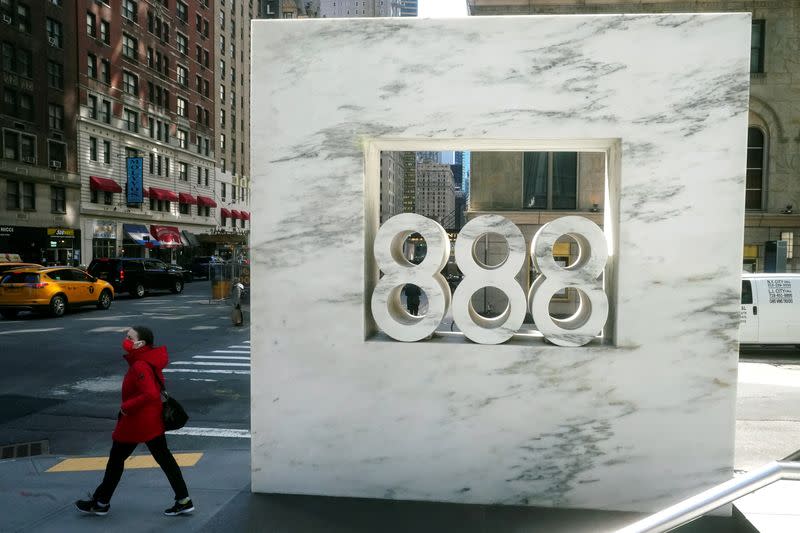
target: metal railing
<point>696,506</point>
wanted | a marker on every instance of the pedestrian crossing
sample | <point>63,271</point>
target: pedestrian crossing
<point>232,360</point>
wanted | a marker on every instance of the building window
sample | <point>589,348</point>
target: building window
<point>9,58</point>
<point>183,75</point>
<point>130,47</point>
<point>183,209</point>
<point>28,196</point>
<point>181,106</point>
<point>550,180</point>
<point>55,75</point>
<point>92,148</point>
<point>55,34</point>
<point>92,106</point>
<point>788,236</point>
<point>105,112</point>
<point>222,141</point>
<point>23,18</point>
<point>58,198</point>
<point>205,176</point>
<point>222,44</point>
<point>105,71</point>
<point>107,152</point>
<point>105,32</point>
<point>183,171</point>
<point>757,39</point>
<point>91,24</point>
<point>207,143</point>
<point>222,117</point>
<point>223,191</point>
<point>57,154</point>
<point>182,43</point>
<point>25,110</point>
<point>131,120</point>
<point>108,198</point>
<point>182,11</point>
<point>12,195</point>
<point>24,62</point>
<point>222,93</point>
<point>199,175</point>
<point>91,66</point>
<point>222,67</point>
<point>55,115</point>
<point>130,9</point>
<point>130,83</point>
<point>756,156</point>
<point>182,137</point>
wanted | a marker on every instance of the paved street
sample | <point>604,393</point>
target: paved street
<point>61,379</point>
<point>768,405</point>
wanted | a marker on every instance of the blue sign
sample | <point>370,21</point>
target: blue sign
<point>135,166</point>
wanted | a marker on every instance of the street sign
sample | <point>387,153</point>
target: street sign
<point>135,188</point>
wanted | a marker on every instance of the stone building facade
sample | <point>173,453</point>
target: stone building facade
<point>392,184</point>
<point>773,170</point>
<point>436,192</point>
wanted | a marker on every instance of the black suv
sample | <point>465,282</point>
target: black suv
<point>137,275</point>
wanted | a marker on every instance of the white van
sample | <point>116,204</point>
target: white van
<point>770,309</point>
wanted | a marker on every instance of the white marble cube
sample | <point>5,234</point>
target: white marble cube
<point>633,424</point>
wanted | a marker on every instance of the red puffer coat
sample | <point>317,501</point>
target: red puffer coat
<point>141,396</point>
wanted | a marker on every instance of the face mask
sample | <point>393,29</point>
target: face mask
<point>127,345</point>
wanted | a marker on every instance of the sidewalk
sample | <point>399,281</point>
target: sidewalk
<point>34,500</point>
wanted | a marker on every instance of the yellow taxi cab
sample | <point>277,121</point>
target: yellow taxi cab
<point>51,289</point>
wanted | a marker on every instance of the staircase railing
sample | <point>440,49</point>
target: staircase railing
<point>724,493</point>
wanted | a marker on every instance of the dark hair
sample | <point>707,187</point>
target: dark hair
<point>144,333</point>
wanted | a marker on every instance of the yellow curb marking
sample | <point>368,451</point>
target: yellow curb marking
<point>87,464</point>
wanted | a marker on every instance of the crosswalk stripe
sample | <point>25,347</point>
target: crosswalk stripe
<point>231,351</point>
<point>212,432</point>
<point>206,371</point>
<point>246,342</point>
<point>35,330</point>
<point>220,363</point>
<point>220,357</point>
<point>239,347</point>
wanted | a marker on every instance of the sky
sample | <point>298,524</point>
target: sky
<point>442,8</point>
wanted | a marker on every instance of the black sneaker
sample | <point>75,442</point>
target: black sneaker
<point>92,507</point>
<point>180,508</point>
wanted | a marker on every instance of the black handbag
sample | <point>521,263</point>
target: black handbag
<point>172,413</point>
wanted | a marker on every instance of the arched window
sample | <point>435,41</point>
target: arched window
<point>754,188</point>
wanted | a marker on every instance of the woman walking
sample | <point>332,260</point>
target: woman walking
<point>139,420</point>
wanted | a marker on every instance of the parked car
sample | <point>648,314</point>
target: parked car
<point>201,266</point>
<point>5,267</point>
<point>137,275</point>
<point>52,290</point>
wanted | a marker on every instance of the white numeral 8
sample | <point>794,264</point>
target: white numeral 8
<point>477,276</point>
<point>387,308</point>
<point>592,313</point>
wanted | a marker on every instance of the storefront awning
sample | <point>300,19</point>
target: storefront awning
<point>139,234</point>
<point>190,238</point>
<point>206,201</point>
<point>245,215</point>
<point>96,183</point>
<point>163,194</point>
<point>169,236</point>
<point>235,214</point>
<point>186,198</point>
<point>225,213</point>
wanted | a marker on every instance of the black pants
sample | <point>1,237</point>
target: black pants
<point>413,307</point>
<point>116,464</point>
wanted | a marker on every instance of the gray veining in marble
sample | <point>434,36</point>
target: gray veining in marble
<point>634,424</point>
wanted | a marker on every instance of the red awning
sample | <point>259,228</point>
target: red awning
<point>163,194</point>
<point>168,236</point>
<point>245,215</point>
<point>186,198</point>
<point>145,192</point>
<point>96,183</point>
<point>235,214</point>
<point>206,201</point>
<point>224,212</point>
